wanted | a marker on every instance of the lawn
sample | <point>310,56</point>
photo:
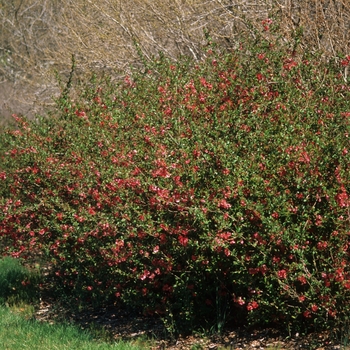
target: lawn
<point>18,332</point>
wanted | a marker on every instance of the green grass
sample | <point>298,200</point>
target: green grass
<point>19,329</point>
<point>17,283</point>
<point>17,332</point>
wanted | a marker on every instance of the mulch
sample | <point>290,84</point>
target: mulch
<point>123,325</point>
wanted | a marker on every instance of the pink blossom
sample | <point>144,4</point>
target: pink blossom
<point>161,172</point>
<point>223,204</point>
<point>145,274</point>
<point>342,199</point>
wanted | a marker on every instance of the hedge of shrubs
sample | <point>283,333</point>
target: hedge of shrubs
<point>203,192</point>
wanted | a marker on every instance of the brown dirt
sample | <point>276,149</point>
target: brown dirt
<point>119,324</point>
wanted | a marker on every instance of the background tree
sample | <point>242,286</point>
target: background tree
<point>38,37</point>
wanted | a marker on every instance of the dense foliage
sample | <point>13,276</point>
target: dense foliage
<point>192,190</point>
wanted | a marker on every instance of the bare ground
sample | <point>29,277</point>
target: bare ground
<point>119,324</point>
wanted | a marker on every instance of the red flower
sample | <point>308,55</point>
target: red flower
<point>226,171</point>
<point>289,63</point>
<point>307,314</point>
<point>145,274</point>
<point>266,23</point>
<point>253,270</point>
<point>91,211</point>
<point>275,215</point>
<point>161,172</point>
<point>253,305</point>
<point>302,280</point>
<point>239,301</point>
<point>263,269</point>
<point>304,158</point>
<point>259,76</point>
<point>342,199</point>
<point>322,245</point>
<point>42,231</point>
<point>332,313</point>
<point>346,61</point>
<point>314,308</point>
<point>223,204</point>
<point>282,274</point>
<point>183,240</point>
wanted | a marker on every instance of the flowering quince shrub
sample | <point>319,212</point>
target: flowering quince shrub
<point>204,192</point>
